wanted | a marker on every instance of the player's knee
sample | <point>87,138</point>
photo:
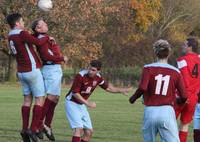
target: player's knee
<point>27,100</point>
<point>89,132</point>
<point>39,101</point>
<point>53,98</point>
<point>77,131</point>
<point>184,127</point>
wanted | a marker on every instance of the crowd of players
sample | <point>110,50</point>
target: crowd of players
<point>168,92</point>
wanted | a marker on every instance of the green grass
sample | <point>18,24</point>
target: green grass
<point>114,119</point>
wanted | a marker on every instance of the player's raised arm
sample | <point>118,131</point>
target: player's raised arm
<point>27,37</point>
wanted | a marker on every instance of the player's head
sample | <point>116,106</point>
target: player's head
<point>190,45</point>
<point>15,20</point>
<point>162,49</point>
<point>39,26</point>
<point>95,67</point>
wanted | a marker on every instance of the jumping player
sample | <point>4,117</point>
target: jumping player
<point>158,85</point>
<point>76,101</point>
<point>189,66</point>
<point>52,73</point>
<point>28,71</point>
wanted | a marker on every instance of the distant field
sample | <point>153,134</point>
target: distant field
<point>114,119</point>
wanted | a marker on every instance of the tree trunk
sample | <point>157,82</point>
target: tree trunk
<point>12,69</point>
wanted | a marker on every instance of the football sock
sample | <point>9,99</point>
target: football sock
<point>196,135</point>
<point>25,110</point>
<point>83,141</point>
<point>50,114</point>
<point>37,111</point>
<point>75,139</point>
<point>45,109</point>
<point>183,136</point>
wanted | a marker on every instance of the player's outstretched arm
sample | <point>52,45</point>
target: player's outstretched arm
<point>84,101</point>
<point>33,40</point>
<point>114,89</point>
<point>138,93</point>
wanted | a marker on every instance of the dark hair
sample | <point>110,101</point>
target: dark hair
<point>96,63</point>
<point>162,48</point>
<point>192,42</point>
<point>34,25</point>
<point>13,18</point>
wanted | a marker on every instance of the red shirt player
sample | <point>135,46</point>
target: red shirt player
<point>158,85</point>
<point>189,66</point>
<point>77,100</point>
<point>28,67</point>
<point>52,73</point>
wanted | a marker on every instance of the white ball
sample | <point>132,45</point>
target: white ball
<point>45,5</point>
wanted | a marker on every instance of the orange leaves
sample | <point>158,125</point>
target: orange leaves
<point>146,12</point>
<point>84,51</point>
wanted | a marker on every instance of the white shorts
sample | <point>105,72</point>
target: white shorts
<point>32,83</point>
<point>162,120</point>
<point>197,117</point>
<point>77,115</point>
<point>52,79</point>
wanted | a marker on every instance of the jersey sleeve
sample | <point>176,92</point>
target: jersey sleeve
<point>46,56</point>
<point>76,86</point>
<point>103,84</point>
<point>33,40</point>
<point>144,81</point>
<point>183,67</point>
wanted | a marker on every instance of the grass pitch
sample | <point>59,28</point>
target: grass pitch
<point>114,119</point>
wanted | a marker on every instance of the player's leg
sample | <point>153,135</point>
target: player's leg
<point>53,101</point>
<point>187,117</point>
<point>36,84</point>
<point>77,134</point>
<point>52,77</point>
<point>26,106</point>
<point>74,116</point>
<point>196,134</point>
<point>168,128</point>
<point>87,135</point>
<point>149,125</point>
<point>87,125</point>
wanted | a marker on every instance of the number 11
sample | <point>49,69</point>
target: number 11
<point>160,78</point>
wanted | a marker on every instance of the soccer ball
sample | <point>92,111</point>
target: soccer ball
<point>45,5</point>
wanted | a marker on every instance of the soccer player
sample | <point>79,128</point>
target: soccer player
<point>76,101</point>
<point>158,85</point>
<point>52,73</point>
<point>189,66</point>
<point>28,71</point>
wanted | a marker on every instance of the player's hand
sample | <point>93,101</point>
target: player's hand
<point>125,91</point>
<point>52,40</point>
<point>132,99</point>
<point>66,59</point>
<point>91,105</point>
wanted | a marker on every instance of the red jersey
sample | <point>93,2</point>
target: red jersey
<point>20,43</point>
<point>189,65</point>
<point>50,53</point>
<point>85,85</point>
<point>159,83</point>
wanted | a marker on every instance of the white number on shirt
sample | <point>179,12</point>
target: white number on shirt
<point>12,47</point>
<point>160,80</point>
<point>88,90</point>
